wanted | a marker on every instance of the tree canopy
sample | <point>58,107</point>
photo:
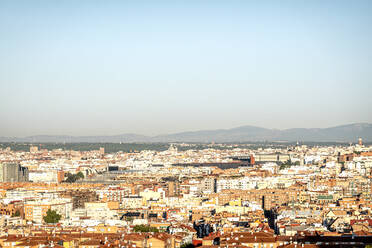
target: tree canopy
<point>71,178</point>
<point>188,245</point>
<point>52,216</point>
<point>17,213</point>
<point>145,228</point>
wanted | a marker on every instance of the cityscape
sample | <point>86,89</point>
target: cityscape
<point>184,124</point>
<point>217,195</point>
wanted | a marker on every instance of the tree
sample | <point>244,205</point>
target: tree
<point>80,175</point>
<point>145,228</point>
<point>17,213</point>
<point>188,245</point>
<point>71,178</point>
<point>52,216</point>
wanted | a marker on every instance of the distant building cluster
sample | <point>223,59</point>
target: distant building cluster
<point>222,196</point>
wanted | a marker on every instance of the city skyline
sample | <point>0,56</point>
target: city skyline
<point>93,68</point>
<point>184,124</point>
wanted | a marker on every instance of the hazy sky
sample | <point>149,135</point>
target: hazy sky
<point>154,67</point>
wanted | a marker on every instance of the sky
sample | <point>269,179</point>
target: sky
<point>158,67</point>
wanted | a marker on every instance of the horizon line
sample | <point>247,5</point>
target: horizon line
<point>180,132</point>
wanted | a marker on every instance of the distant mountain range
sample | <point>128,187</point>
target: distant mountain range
<point>345,133</point>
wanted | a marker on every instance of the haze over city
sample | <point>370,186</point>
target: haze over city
<point>160,67</point>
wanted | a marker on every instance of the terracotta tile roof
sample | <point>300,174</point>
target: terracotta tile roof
<point>91,242</point>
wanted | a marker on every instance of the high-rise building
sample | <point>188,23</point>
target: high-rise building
<point>13,172</point>
<point>360,141</point>
<point>209,185</point>
<point>173,188</point>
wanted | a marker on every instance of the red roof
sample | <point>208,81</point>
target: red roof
<point>369,221</point>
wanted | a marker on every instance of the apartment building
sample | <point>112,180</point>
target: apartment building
<point>36,209</point>
<point>13,172</point>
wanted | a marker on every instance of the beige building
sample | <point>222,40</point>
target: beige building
<point>35,210</point>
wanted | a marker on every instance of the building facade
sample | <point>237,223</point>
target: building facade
<point>13,172</point>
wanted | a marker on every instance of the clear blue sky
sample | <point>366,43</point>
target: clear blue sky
<point>154,67</point>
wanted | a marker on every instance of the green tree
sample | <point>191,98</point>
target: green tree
<point>145,228</point>
<point>71,178</point>
<point>188,245</point>
<point>17,213</point>
<point>52,216</point>
<point>80,175</point>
